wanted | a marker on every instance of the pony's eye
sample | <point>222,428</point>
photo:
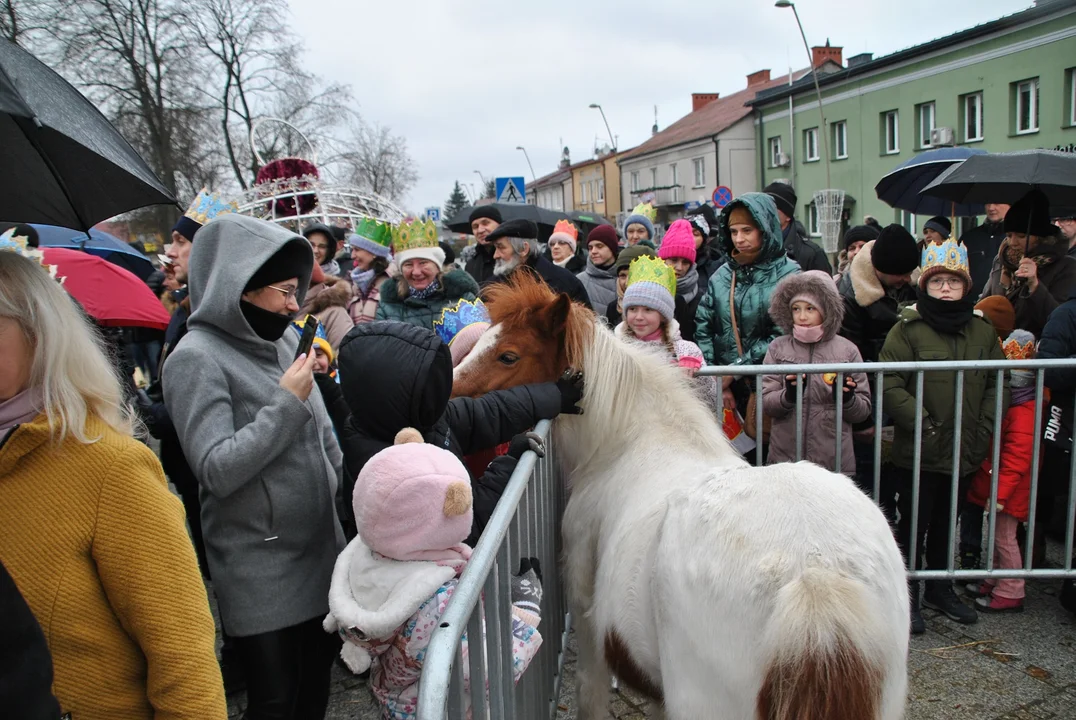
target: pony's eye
<point>509,358</point>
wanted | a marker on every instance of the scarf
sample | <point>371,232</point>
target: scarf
<point>331,268</point>
<point>564,262</point>
<point>687,287</point>
<point>745,258</point>
<point>1021,395</point>
<point>267,325</point>
<point>808,335</point>
<point>20,409</point>
<point>948,317</point>
<point>1010,255</point>
<point>363,279</point>
<point>426,292</point>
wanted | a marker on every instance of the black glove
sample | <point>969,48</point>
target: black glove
<point>849,391</point>
<point>526,441</point>
<point>571,392</point>
<point>790,390</point>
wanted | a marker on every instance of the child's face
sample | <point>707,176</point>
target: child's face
<point>805,314</point>
<point>643,321</point>
<point>622,280</point>
<point>321,360</point>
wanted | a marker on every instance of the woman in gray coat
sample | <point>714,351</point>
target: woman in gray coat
<point>261,444</point>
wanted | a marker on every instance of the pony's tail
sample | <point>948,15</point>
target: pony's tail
<point>825,661</point>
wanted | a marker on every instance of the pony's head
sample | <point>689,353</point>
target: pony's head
<point>535,335</point>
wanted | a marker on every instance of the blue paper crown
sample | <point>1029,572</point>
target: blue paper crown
<point>950,255</point>
<point>462,314</point>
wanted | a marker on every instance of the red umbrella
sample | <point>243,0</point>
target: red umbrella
<point>111,295</point>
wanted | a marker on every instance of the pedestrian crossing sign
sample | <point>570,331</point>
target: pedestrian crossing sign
<point>511,190</point>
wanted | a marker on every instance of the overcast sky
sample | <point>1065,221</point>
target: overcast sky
<point>466,81</point>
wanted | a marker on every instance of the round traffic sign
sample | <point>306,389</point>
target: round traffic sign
<point>722,196</point>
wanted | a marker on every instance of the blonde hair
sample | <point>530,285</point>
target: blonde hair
<point>70,364</point>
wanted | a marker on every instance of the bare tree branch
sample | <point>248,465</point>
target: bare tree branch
<point>379,161</point>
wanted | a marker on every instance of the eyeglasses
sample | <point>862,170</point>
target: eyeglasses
<point>288,293</point>
<point>937,283</point>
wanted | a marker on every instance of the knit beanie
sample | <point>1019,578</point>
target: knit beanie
<point>704,213</point>
<point>294,260</point>
<point>412,501</point>
<point>940,225</point>
<point>1031,215</point>
<point>949,257</point>
<point>999,311</point>
<point>606,235</point>
<point>450,254</point>
<point>698,222</point>
<point>373,236</point>
<point>740,215</point>
<point>895,252</point>
<point>485,211</point>
<point>1020,345</point>
<point>644,214</point>
<point>784,197</point>
<point>652,284</point>
<point>566,232</point>
<point>679,242</point>
<point>859,233</point>
<point>628,254</point>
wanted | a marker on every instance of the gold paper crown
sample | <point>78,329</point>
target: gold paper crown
<point>951,256</point>
<point>563,226</point>
<point>18,244</point>
<point>414,234</point>
<point>651,269</point>
<point>1015,351</point>
<point>207,206</point>
<point>647,210</point>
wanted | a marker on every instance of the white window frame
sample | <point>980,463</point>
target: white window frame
<point>674,170</point>
<point>976,100</point>
<point>814,227</point>
<point>1072,97</point>
<point>700,172</point>
<point>1032,87</point>
<point>653,178</point>
<point>810,145</point>
<point>926,115</point>
<point>891,139</point>
<point>909,222</point>
<point>840,140</point>
<point>634,180</point>
<point>583,193</point>
<point>601,191</point>
<point>775,150</point>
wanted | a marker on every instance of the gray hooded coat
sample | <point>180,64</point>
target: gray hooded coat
<point>267,464</point>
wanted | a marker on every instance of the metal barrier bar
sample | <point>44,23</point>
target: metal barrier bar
<point>873,367</point>
<point>1070,522</point>
<point>879,393</point>
<point>995,460</point>
<point>839,384</point>
<point>954,491</point>
<point>1034,471</point>
<point>917,461</point>
<point>758,420</point>
<point>799,415</point>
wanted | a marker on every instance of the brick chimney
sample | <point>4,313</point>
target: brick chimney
<point>701,100</point>
<point>822,53</point>
<point>758,78</point>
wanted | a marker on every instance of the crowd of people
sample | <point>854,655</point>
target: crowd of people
<point>333,495</point>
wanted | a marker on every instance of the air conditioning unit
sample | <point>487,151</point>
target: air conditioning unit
<point>783,159</point>
<point>942,137</point>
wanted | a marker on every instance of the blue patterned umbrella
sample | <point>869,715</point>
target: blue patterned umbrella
<point>901,187</point>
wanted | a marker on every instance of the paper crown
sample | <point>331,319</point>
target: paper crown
<point>207,206</point>
<point>563,226</point>
<point>950,256</point>
<point>414,234</point>
<point>10,242</point>
<point>455,318</point>
<point>651,269</point>
<point>375,231</point>
<point>647,210</point>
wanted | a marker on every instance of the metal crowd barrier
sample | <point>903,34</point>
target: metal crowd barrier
<point>525,524</point>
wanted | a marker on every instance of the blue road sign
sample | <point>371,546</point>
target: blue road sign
<point>511,190</point>
<point>722,196</point>
<point>433,213</point>
<point>691,205</point>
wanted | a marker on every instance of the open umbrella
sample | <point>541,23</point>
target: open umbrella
<point>109,294</point>
<point>96,242</point>
<point>64,163</point>
<point>544,219</point>
<point>1007,177</point>
<point>587,221</point>
<point>901,187</point>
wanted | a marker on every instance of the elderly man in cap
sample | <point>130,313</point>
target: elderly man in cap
<point>515,246</point>
<point>805,252</point>
<point>479,262</point>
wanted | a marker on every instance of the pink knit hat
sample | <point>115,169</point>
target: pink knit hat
<point>679,242</point>
<point>412,501</point>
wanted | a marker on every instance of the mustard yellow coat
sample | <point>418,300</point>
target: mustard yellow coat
<point>98,547</point>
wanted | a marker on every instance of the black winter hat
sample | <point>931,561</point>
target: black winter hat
<point>784,196</point>
<point>524,229</point>
<point>859,233</point>
<point>940,225</point>
<point>485,211</point>
<point>450,254</point>
<point>1031,216</point>
<point>325,230</point>
<point>706,210</point>
<point>290,261</point>
<point>895,251</point>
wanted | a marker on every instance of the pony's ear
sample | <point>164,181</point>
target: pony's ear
<point>555,316</point>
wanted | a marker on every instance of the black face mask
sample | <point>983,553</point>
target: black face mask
<point>267,325</point>
<point>945,316</point>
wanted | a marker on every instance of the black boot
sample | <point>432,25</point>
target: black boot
<point>918,626</point>
<point>940,596</point>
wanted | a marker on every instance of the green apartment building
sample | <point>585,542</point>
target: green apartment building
<point>1009,84</point>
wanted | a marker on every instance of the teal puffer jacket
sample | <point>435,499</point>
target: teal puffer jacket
<point>423,312</point>
<point>754,285</point>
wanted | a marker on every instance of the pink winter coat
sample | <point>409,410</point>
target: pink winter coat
<point>819,406</point>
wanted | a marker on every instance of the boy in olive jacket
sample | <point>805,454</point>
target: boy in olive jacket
<point>943,325</point>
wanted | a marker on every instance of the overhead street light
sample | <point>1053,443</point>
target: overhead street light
<point>533,176</point>
<point>612,142</point>
<point>814,76</point>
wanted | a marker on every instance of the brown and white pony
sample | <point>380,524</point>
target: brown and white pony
<point>715,588</point>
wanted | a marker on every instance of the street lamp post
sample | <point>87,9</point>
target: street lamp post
<point>814,76</point>
<point>482,178</point>
<point>612,142</point>
<point>533,176</point>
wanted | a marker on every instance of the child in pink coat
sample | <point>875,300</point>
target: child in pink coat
<point>392,583</point>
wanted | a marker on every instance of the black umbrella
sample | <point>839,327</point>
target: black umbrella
<point>544,219</point>
<point>1007,177</point>
<point>587,221</point>
<point>64,163</point>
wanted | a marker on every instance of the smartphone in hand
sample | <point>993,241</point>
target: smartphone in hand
<point>306,340</point>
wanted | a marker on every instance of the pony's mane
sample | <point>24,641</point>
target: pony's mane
<point>514,304</point>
